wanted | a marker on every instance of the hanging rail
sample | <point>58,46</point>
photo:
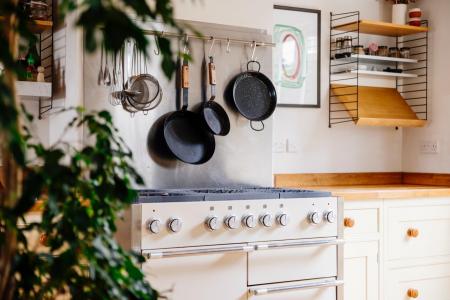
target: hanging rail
<point>209,38</point>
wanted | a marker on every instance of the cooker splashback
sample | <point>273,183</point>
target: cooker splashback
<point>242,157</point>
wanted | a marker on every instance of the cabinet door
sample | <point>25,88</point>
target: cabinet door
<point>361,271</point>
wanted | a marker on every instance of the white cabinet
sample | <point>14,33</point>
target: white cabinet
<point>397,249</point>
<point>361,271</point>
<point>362,230</point>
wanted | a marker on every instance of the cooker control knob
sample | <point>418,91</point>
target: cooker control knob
<point>212,223</point>
<point>283,219</point>
<point>154,226</point>
<point>231,222</point>
<point>330,216</point>
<point>249,221</point>
<point>174,224</point>
<point>314,218</point>
<point>266,220</point>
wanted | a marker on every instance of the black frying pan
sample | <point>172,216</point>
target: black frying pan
<point>254,95</point>
<point>184,133</point>
<point>213,115</point>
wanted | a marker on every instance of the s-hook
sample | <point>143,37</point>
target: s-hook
<point>253,51</point>
<point>157,51</point>
<point>210,53</point>
<point>228,45</point>
<point>186,48</point>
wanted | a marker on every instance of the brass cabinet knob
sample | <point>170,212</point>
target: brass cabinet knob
<point>43,239</point>
<point>413,293</point>
<point>349,222</point>
<point>413,232</point>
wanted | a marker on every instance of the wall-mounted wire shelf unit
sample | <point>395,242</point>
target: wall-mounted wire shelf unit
<point>403,105</point>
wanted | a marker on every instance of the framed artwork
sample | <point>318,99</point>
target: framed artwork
<point>296,58</point>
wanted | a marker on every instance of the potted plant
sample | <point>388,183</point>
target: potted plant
<point>399,10</point>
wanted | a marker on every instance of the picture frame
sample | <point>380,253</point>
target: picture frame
<point>296,57</point>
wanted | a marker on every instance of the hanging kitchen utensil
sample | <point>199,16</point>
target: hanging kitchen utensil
<point>213,114</point>
<point>184,133</point>
<point>253,94</point>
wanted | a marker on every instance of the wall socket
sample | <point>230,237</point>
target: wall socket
<point>429,147</point>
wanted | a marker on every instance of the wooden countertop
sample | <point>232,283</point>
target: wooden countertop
<point>389,191</point>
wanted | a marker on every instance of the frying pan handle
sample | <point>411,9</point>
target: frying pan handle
<point>257,129</point>
<point>253,62</point>
<point>185,83</point>
<point>212,78</point>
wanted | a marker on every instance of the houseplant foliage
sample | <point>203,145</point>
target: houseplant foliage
<point>84,189</point>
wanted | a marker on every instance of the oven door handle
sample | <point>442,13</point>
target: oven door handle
<point>312,243</point>
<point>312,285</point>
<point>150,254</point>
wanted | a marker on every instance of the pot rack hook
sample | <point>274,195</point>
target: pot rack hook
<point>210,54</point>
<point>228,45</point>
<point>253,51</point>
<point>157,51</point>
<point>186,48</point>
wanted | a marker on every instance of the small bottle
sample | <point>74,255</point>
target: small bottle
<point>33,60</point>
<point>40,75</point>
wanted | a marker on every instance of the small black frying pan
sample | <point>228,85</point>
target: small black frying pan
<point>184,133</point>
<point>254,95</point>
<point>213,115</point>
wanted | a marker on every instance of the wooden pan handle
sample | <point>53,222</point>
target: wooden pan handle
<point>185,77</point>
<point>212,73</point>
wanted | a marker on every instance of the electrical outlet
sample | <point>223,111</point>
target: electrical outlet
<point>291,147</point>
<point>279,147</point>
<point>429,147</point>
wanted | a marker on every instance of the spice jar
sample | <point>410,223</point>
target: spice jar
<point>383,51</point>
<point>394,52</point>
<point>373,49</point>
<point>338,48</point>
<point>347,46</point>
<point>358,49</point>
<point>405,52</point>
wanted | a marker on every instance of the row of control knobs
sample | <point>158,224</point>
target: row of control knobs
<point>249,221</point>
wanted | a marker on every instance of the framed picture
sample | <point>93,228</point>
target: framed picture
<point>296,58</point>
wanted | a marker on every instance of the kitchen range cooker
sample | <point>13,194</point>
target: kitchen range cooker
<point>240,243</point>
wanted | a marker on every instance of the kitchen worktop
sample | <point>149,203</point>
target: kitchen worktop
<point>394,191</point>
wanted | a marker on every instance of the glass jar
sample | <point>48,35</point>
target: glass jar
<point>38,10</point>
<point>358,49</point>
<point>405,52</point>
<point>394,52</point>
<point>339,48</point>
<point>383,51</point>
<point>347,46</point>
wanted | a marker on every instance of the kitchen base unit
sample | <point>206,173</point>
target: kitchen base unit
<point>240,244</point>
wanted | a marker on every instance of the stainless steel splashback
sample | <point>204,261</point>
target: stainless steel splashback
<point>244,157</point>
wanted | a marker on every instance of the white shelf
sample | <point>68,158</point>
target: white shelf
<point>34,89</point>
<point>378,59</point>
<point>387,74</point>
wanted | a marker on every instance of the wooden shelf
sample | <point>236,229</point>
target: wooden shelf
<point>375,58</point>
<point>377,106</point>
<point>37,26</point>
<point>34,89</point>
<point>381,28</point>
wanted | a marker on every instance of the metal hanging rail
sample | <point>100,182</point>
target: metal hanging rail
<point>209,38</point>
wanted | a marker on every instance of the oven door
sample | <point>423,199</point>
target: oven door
<point>323,289</point>
<point>200,273</point>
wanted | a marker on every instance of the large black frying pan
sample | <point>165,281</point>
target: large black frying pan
<point>254,95</point>
<point>212,113</point>
<point>184,132</point>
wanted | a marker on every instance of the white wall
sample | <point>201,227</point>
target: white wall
<point>344,148</point>
<point>438,128</point>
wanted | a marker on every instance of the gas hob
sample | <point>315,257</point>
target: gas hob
<point>220,194</point>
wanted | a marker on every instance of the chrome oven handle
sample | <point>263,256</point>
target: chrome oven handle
<point>312,243</point>
<point>312,285</point>
<point>150,254</point>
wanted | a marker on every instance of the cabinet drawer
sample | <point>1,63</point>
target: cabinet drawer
<point>360,221</point>
<point>292,263</point>
<point>418,231</point>
<point>420,283</point>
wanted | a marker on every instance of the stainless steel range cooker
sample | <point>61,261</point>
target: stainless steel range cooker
<point>250,243</point>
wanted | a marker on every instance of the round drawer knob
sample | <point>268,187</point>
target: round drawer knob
<point>413,232</point>
<point>43,239</point>
<point>413,293</point>
<point>349,222</point>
